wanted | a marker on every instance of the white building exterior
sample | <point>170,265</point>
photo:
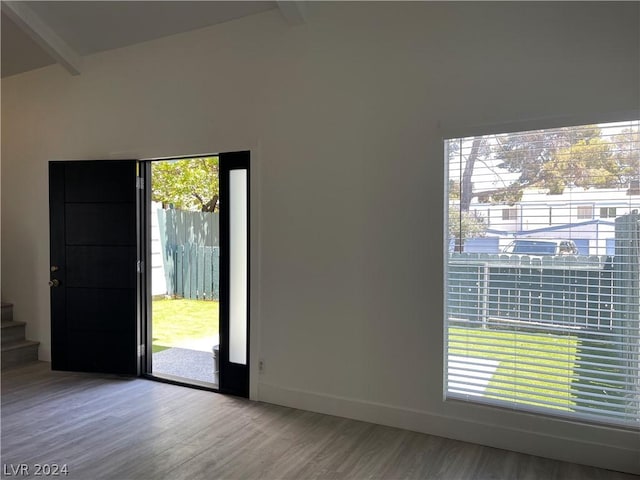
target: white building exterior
<point>586,216</point>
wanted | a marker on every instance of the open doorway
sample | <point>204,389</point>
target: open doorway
<point>184,253</point>
<point>120,295</point>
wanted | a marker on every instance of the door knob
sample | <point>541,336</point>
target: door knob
<point>54,268</point>
<point>54,283</point>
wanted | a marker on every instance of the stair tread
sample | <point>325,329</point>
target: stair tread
<point>18,344</point>
<point>11,323</point>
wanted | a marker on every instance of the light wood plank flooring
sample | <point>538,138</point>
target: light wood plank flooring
<point>116,428</point>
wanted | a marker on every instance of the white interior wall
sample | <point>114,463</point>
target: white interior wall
<point>344,116</point>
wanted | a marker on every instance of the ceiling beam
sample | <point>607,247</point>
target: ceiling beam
<point>26,19</point>
<point>294,12</point>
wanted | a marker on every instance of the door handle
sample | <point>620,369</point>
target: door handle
<point>54,283</point>
<point>54,268</point>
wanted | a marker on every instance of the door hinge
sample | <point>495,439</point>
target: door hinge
<point>139,266</point>
<point>141,349</point>
<point>139,183</point>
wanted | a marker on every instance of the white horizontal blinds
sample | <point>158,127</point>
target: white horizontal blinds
<point>543,271</point>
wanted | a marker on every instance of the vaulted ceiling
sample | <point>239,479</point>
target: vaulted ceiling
<point>37,34</point>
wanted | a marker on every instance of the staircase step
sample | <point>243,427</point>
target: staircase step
<point>12,331</point>
<point>7,311</point>
<point>19,352</point>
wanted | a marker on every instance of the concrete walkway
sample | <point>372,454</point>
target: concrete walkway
<point>185,363</point>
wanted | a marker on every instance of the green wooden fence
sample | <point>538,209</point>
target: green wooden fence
<point>191,256</point>
<point>193,271</point>
<point>565,292</point>
<point>581,292</point>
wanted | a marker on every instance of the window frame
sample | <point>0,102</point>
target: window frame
<point>609,212</point>
<point>581,209</point>
<point>510,214</point>
<point>451,132</point>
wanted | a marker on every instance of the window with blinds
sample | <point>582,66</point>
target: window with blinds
<point>543,307</point>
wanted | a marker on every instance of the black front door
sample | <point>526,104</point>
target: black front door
<point>94,254</point>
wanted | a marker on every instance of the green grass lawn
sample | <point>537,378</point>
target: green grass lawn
<point>550,364</point>
<point>179,320</point>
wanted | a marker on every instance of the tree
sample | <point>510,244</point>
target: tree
<point>189,184</point>
<point>543,157</point>
<point>463,225</point>
<point>626,146</point>
<point>589,163</point>
<point>478,152</point>
<point>552,159</point>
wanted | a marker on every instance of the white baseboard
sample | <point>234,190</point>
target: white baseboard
<point>584,451</point>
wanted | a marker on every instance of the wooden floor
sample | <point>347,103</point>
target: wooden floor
<point>116,428</point>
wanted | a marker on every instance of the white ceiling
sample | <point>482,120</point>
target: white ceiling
<point>36,34</point>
